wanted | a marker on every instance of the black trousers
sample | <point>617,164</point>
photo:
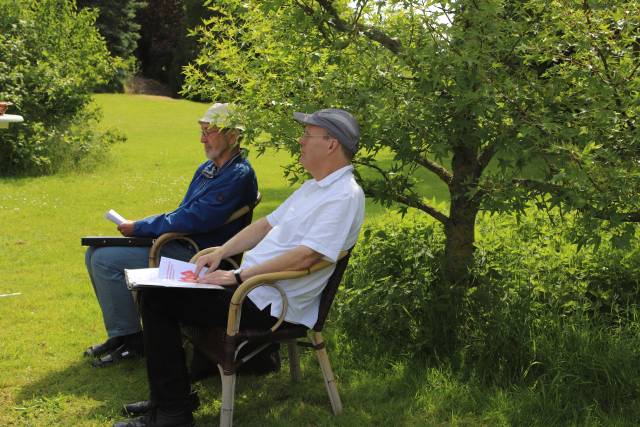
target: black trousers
<point>163,311</point>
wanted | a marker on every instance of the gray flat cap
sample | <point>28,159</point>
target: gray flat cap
<point>339,123</point>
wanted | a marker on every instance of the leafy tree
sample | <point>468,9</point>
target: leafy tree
<point>165,46</point>
<point>51,57</point>
<point>187,49</point>
<point>117,23</point>
<point>504,101</point>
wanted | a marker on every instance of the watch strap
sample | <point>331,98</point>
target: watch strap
<point>237,274</point>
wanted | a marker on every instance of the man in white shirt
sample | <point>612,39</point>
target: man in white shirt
<point>320,219</point>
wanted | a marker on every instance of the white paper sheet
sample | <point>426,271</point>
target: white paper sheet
<point>114,217</point>
<point>172,273</point>
<point>174,269</point>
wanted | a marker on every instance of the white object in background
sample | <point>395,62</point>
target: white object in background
<point>11,295</point>
<point>5,119</point>
<point>114,217</point>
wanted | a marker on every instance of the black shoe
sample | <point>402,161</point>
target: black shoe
<point>104,348</point>
<point>135,409</point>
<point>160,418</point>
<point>145,406</point>
<point>124,352</point>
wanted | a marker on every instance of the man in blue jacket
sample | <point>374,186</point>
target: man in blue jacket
<point>220,186</point>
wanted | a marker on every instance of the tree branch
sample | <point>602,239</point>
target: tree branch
<point>485,156</point>
<point>308,10</point>
<point>398,196</point>
<point>603,58</point>
<point>436,214</point>
<point>370,32</point>
<point>435,167</point>
<point>633,72</point>
<point>607,215</point>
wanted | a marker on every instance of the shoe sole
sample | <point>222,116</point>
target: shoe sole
<point>126,355</point>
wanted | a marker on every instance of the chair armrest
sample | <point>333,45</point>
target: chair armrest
<point>244,210</point>
<point>237,214</point>
<point>105,241</point>
<point>268,279</point>
<point>165,238</point>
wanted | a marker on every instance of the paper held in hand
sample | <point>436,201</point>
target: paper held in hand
<point>172,273</point>
<point>114,217</point>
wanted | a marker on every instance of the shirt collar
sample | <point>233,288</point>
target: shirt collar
<point>211,170</point>
<point>334,176</point>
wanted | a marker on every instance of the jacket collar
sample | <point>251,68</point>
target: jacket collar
<point>211,170</point>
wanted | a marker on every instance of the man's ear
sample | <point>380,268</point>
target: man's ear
<point>334,145</point>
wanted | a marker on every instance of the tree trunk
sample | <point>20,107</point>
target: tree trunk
<point>459,247</point>
<point>460,228</point>
<point>459,243</point>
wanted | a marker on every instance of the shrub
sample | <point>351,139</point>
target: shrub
<point>560,321</point>
<point>587,364</point>
<point>386,304</point>
<point>51,56</point>
<point>531,280</point>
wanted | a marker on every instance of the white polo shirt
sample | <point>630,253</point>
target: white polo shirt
<point>325,216</point>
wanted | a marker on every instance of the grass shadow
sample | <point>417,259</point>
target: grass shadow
<point>103,390</point>
<point>385,398</point>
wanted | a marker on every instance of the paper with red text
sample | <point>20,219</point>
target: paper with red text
<point>171,273</point>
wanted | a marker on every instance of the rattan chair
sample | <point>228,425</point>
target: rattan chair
<point>222,348</point>
<point>244,214</point>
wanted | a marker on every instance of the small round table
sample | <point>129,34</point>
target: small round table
<point>5,119</point>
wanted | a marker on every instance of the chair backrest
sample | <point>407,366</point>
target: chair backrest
<point>244,214</point>
<point>329,292</point>
<point>243,211</point>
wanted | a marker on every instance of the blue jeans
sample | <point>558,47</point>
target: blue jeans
<point>106,270</point>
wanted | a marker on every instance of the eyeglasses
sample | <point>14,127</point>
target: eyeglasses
<point>307,136</point>
<point>209,131</point>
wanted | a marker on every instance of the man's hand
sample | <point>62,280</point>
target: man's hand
<point>219,277</point>
<point>212,261</point>
<point>126,228</point>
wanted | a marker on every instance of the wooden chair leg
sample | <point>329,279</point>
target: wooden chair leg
<point>228,392</point>
<point>327,373</point>
<point>294,360</point>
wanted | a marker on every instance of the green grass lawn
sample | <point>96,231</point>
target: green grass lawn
<point>44,381</point>
<point>43,331</point>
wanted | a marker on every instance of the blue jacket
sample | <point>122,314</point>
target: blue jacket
<point>213,195</point>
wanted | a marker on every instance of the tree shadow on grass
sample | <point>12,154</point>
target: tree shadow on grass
<point>394,395</point>
<point>408,395</point>
<point>369,398</point>
<point>110,387</point>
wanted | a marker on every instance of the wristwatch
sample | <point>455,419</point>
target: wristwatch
<point>237,274</point>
